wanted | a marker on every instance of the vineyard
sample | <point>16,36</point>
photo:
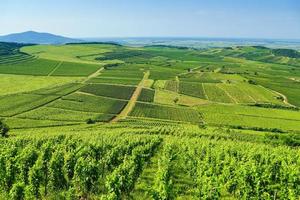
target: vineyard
<point>145,162</point>
<point>104,121</point>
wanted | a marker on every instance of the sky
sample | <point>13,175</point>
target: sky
<point>278,19</point>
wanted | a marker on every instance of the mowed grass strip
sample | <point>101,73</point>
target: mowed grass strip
<point>165,112</point>
<point>75,69</point>
<point>113,91</point>
<point>147,95</point>
<point>89,103</point>
<point>34,67</point>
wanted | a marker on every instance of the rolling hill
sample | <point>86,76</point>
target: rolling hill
<point>33,37</point>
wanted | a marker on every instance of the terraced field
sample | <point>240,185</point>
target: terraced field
<point>105,121</point>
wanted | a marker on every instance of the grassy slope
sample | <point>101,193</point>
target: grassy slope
<point>11,84</point>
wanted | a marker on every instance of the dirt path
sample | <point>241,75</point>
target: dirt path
<point>93,75</point>
<point>285,99</point>
<point>132,101</point>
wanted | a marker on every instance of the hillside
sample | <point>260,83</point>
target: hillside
<point>105,121</point>
<point>31,37</point>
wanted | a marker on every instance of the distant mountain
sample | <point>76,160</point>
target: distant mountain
<point>31,37</point>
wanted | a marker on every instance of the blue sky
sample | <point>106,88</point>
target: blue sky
<point>153,18</point>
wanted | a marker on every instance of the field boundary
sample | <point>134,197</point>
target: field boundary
<point>227,93</point>
<point>93,75</point>
<point>46,103</point>
<point>285,99</point>
<point>132,101</point>
<point>89,94</point>
<point>55,68</point>
<point>202,84</point>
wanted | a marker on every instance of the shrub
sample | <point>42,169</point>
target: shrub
<point>3,129</point>
<point>252,82</point>
<point>90,121</point>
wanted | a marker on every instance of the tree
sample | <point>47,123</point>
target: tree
<point>176,100</point>
<point>90,121</point>
<point>3,129</point>
<point>252,82</point>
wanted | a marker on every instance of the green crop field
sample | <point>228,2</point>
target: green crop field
<point>114,91</point>
<point>114,80</point>
<point>32,67</point>
<point>89,103</point>
<point>192,89</point>
<point>147,95</point>
<point>74,69</point>
<point>106,121</point>
<point>165,112</point>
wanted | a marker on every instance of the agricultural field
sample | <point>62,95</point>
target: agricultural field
<point>106,121</point>
<point>114,91</point>
<point>165,112</point>
<point>147,95</point>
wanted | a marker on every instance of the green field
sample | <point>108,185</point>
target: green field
<point>165,112</point>
<point>114,91</point>
<point>147,95</point>
<point>106,121</point>
<point>251,117</point>
<point>89,103</point>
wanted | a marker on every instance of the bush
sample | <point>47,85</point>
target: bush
<point>252,82</point>
<point>90,121</point>
<point>3,129</point>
